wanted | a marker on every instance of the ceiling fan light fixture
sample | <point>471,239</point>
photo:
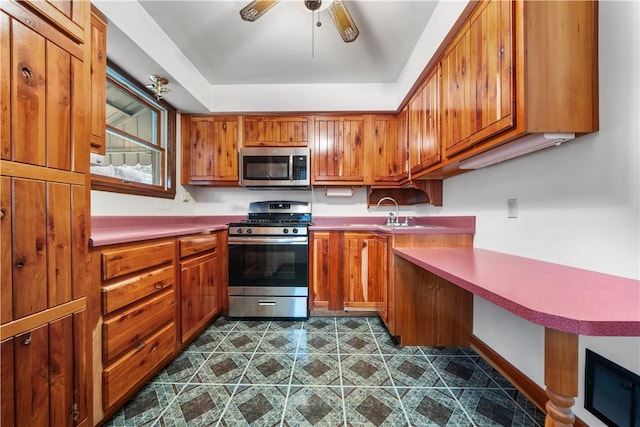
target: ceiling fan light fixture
<point>256,9</point>
<point>343,21</point>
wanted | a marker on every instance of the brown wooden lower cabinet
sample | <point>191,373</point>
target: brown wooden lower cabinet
<point>43,375</point>
<point>348,271</point>
<point>200,273</point>
<point>388,308</point>
<point>156,296</point>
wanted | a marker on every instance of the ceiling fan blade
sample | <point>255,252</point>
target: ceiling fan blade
<point>342,19</point>
<point>256,9</point>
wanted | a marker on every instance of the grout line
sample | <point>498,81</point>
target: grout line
<point>293,368</point>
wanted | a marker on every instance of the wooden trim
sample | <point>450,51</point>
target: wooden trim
<point>524,384</point>
<point>30,322</point>
<point>22,170</point>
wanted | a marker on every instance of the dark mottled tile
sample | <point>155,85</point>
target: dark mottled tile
<point>492,407</point>
<point>371,406</point>
<point>388,346</point>
<point>364,370</point>
<point>240,341</point>
<point>357,343</point>
<point>256,406</point>
<point>461,371</point>
<point>445,351</point>
<point>285,325</point>
<point>207,342</point>
<point>353,324</point>
<point>222,368</point>
<point>377,325</point>
<point>180,369</point>
<point>312,342</point>
<point>145,406</point>
<point>320,324</point>
<point>280,342</point>
<point>314,406</point>
<point>252,325</point>
<point>316,369</point>
<point>222,324</point>
<point>432,407</point>
<point>271,368</point>
<point>412,371</point>
<point>197,405</point>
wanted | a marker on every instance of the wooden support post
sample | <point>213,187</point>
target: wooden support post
<point>560,376</point>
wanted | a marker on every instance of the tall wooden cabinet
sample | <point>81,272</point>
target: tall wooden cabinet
<point>44,213</point>
<point>424,124</point>
<point>386,149</point>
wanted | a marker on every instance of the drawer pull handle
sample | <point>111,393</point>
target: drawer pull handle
<point>140,346</point>
<point>266,303</point>
<point>154,348</point>
<point>158,285</point>
<point>27,340</point>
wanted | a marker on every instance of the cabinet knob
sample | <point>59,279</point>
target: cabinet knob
<point>501,52</point>
<point>27,340</point>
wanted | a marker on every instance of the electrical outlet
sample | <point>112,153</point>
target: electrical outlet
<point>512,208</point>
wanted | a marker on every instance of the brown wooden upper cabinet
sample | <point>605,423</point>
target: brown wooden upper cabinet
<point>386,149</point>
<point>70,16</point>
<point>516,68</point>
<point>210,150</point>
<point>338,155</point>
<point>276,131</point>
<point>477,83</point>
<point>424,124</point>
<point>98,81</point>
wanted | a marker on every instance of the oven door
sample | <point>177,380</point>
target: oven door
<point>268,266</point>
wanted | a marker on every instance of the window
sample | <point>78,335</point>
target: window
<point>140,141</point>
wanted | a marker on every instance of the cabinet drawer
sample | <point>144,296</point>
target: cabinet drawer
<point>118,262</point>
<point>194,244</point>
<point>129,370</point>
<point>130,290</point>
<point>127,330</point>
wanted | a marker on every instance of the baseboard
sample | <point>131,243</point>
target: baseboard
<point>524,384</point>
<point>341,313</point>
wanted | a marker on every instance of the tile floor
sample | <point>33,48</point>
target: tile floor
<point>342,371</point>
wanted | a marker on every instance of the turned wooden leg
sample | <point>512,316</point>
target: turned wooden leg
<point>560,376</point>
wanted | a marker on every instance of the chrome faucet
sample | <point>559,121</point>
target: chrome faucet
<point>391,221</point>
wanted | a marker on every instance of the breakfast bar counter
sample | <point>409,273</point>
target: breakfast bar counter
<point>567,301</point>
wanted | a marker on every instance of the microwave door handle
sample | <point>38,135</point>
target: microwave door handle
<point>291,169</point>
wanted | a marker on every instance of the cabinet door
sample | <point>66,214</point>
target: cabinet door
<point>477,98</point>
<point>319,286</point>
<point>211,154</point>
<point>43,375</point>
<point>364,270</point>
<point>339,150</point>
<point>98,81</point>
<point>70,16</point>
<point>387,148</point>
<point>287,131</point>
<point>424,124</point>
<point>456,93</point>
<point>491,60</point>
<point>199,290</point>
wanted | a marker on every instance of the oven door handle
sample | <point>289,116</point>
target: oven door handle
<point>269,240</point>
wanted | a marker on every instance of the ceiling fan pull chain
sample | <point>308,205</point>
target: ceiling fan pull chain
<point>313,33</point>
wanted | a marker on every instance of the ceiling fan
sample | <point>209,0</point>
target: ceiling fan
<point>337,10</point>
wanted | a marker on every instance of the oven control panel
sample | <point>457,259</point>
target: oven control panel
<point>252,230</point>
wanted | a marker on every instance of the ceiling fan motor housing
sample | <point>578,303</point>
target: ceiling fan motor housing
<point>313,4</point>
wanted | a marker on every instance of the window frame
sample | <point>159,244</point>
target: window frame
<point>115,185</point>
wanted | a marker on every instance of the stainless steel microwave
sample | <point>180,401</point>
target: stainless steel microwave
<point>275,167</point>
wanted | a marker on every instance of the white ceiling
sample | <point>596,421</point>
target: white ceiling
<point>209,53</point>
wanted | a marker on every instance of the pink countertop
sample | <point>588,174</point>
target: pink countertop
<point>552,295</point>
<point>109,230</point>
<point>419,225</point>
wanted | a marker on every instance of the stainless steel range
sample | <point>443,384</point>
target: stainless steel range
<point>269,261</point>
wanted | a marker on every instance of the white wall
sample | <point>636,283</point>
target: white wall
<point>578,203</point>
